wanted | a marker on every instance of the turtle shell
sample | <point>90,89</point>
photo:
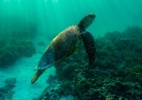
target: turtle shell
<point>65,43</point>
<point>60,47</point>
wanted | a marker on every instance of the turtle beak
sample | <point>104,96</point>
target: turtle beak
<point>37,75</point>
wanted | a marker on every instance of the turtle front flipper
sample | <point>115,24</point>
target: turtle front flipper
<point>37,75</point>
<point>89,45</point>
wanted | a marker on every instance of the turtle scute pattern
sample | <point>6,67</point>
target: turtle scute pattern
<point>65,43</point>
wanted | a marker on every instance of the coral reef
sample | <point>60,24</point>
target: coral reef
<point>51,91</point>
<point>15,40</point>
<point>12,51</point>
<point>116,74</point>
<point>7,91</point>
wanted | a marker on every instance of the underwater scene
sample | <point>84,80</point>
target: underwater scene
<point>70,49</point>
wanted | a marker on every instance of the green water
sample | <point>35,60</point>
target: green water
<point>27,27</point>
<point>52,16</point>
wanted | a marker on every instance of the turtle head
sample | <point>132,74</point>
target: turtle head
<point>86,21</point>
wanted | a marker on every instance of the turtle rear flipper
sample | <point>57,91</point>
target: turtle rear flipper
<point>89,45</point>
<point>37,75</point>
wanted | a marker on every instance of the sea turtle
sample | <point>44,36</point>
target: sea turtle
<point>65,43</point>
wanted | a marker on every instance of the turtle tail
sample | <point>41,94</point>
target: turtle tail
<point>37,75</point>
<point>89,45</point>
